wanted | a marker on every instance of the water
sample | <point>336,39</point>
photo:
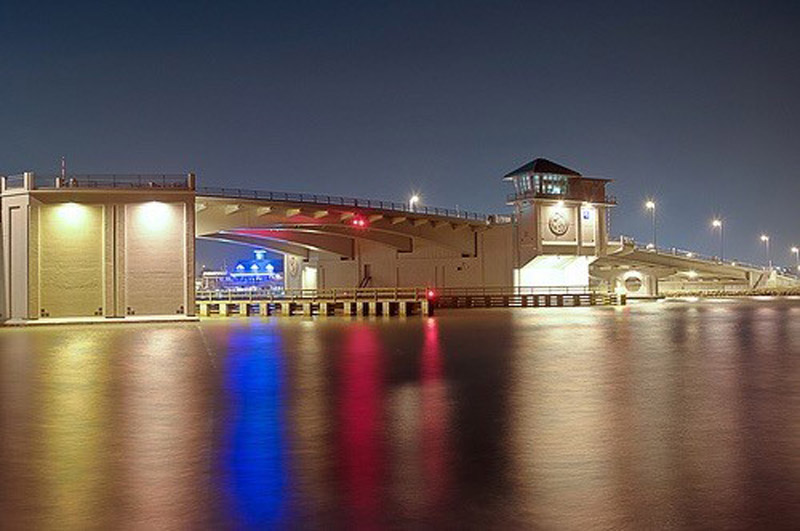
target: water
<point>657,415</point>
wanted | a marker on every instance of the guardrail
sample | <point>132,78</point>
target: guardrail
<point>117,181</point>
<point>405,293</point>
<point>516,196</point>
<point>502,291</point>
<point>332,294</point>
<point>14,182</point>
<point>683,253</point>
<point>101,181</point>
<point>334,200</point>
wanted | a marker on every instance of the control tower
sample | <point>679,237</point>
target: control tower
<point>561,224</point>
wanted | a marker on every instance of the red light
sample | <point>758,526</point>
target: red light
<point>359,222</point>
<point>431,294</point>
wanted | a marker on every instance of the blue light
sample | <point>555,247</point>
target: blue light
<point>255,453</point>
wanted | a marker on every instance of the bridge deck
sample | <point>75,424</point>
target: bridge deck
<point>349,202</point>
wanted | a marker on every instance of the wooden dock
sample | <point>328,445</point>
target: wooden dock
<point>354,301</point>
<point>526,297</point>
<point>394,301</point>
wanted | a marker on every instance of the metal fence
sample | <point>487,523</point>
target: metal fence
<point>117,181</point>
<point>405,293</point>
<point>334,200</point>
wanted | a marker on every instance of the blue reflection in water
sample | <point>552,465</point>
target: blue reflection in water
<point>255,451</point>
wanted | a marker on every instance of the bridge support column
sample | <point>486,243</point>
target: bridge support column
<point>223,309</point>
<point>203,309</point>
<point>372,308</point>
<point>427,308</point>
<point>307,309</point>
<point>263,309</point>
<point>324,308</point>
<point>243,309</point>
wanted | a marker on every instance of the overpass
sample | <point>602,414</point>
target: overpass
<point>122,246</point>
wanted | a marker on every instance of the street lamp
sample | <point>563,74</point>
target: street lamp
<point>717,224</point>
<point>651,206</point>
<point>796,253</point>
<point>413,201</point>
<point>765,239</point>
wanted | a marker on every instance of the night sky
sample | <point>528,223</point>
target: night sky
<point>696,104</point>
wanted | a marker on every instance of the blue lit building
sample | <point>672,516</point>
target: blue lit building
<point>252,273</point>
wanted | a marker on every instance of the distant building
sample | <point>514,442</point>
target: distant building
<point>252,273</point>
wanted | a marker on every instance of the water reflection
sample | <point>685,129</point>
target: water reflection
<point>676,415</point>
<point>254,453</point>
<point>360,419</point>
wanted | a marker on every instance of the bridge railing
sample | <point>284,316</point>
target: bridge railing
<point>117,181</point>
<point>14,182</point>
<point>332,294</point>
<point>404,293</point>
<point>675,251</point>
<point>334,200</point>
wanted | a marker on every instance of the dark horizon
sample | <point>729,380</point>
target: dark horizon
<point>692,104</point>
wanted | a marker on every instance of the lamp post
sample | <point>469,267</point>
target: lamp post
<point>717,224</point>
<point>413,201</point>
<point>796,253</point>
<point>651,206</point>
<point>765,239</point>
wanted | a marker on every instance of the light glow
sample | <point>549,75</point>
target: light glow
<point>72,215</point>
<point>154,216</point>
<point>764,238</point>
<point>650,205</point>
<point>716,223</point>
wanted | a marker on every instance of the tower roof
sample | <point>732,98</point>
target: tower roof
<point>541,165</point>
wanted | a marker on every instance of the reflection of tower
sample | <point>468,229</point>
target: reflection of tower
<point>560,223</point>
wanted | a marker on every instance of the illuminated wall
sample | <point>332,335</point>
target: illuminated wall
<point>97,253</point>
<point>555,271</point>
<point>71,259</point>
<point>428,264</point>
<point>154,258</point>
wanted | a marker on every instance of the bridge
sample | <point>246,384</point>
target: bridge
<point>122,246</point>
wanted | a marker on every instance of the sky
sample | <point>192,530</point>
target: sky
<point>694,104</point>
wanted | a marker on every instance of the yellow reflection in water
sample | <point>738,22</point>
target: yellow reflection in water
<point>73,442</point>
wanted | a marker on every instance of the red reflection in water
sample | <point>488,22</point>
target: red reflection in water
<point>434,416</point>
<point>362,464</point>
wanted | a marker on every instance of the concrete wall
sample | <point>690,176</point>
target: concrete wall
<point>79,253</point>
<point>71,260</point>
<point>154,258</point>
<point>15,256</point>
<point>429,263</point>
